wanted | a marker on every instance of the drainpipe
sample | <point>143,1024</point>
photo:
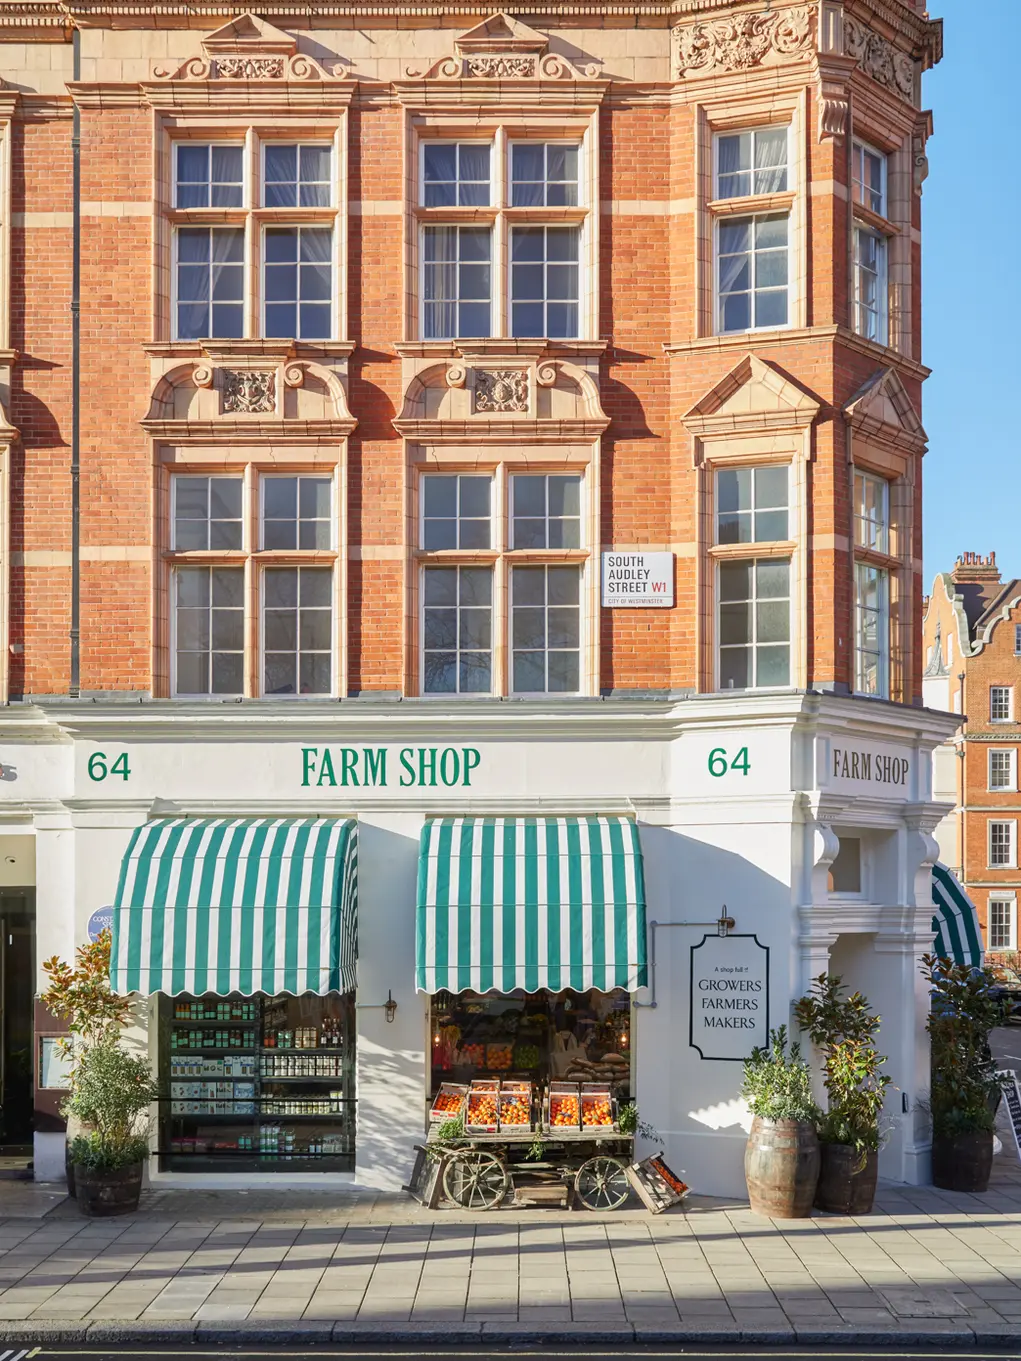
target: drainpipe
<point>962,756</point>
<point>74,688</point>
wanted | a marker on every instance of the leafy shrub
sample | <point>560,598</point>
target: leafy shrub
<point>91,1152</point>
<point>110,1091</point>
<point>777,1084</point>
<point>964,1088</point>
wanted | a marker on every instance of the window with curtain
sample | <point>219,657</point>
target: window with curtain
<point>870,303</point>
<point>752,249</point>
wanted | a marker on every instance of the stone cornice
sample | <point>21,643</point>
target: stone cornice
<point>500,430</point>
<point>227,431</point>
<point>771,340</point>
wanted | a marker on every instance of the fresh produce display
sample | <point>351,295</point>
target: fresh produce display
<point>483,1110</point>
<point>526,1056</point>
<point>499,1057</point>
<point>596,1108</point>
<point>515,1105</point>
<point>564,1108</point>
<point>676,1185</point>
<point>472,1056</point>
<point>448,1103</point>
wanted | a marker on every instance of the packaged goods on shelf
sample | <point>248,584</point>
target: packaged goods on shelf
<point>449,1101</point>
<point>564,1107</point>
<point>596,1107</point>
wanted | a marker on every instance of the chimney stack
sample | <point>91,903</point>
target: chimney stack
<point>973,568</point>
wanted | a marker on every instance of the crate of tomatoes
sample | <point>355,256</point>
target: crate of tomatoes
<point>598,1112</point>
<point>449,1102</point>
<point>515,1106</point>
<point>482,1107</point>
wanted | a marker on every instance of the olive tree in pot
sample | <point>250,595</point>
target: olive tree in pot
<point>844,1028</point>
<point>781,1161</point>
<point>81,996</point>
<point>964,1090</point>
<point>112,1091</point>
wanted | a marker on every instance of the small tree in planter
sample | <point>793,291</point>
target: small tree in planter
<point>844,1029</point>
<point>781,1161</point>
<point>82,997</point>
<point>964,1089</point>
<point>111,1091</point>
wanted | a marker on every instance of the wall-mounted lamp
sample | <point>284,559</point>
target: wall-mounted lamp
<point>389,1007</point>
<point>724,923</point>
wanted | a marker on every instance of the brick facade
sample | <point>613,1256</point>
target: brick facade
<point>649,342</point>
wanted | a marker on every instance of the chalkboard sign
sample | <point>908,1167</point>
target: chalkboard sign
<point>657,1187</point>
<point>1012,1097</point>
<point>426,1180</point>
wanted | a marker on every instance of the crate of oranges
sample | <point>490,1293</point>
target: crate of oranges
<point>482,1113</point>
<point>449,1102</point>
<point>516,1106</point>
<point>564,1111</point>
<point>597,1112</point>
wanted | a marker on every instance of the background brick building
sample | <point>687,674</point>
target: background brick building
<point>972,633</point>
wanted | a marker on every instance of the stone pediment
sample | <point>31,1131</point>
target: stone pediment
<point>754,396</point>
<point>249,49</point>
<point>502,48</point>
<point>882,410</point>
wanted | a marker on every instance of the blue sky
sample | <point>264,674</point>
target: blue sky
<point>971,301</point>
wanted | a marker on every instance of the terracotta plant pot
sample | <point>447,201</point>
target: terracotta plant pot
<point>847,1180</point>
<point>781,1167</point>
<point>962,1162</point>
<point>101,1194</point>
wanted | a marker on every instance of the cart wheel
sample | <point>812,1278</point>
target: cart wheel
<point>475,1179</point>
<point>602,1183</point>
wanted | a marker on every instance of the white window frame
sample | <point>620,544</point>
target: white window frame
<point>491,567</point>
<point>1011,862</point>
<point>208,477</point>
<point>284,225</point>
<point>790,166</point>
<point>883,691</point>
<point>513,142</point>
<point>792,295</point>
<point>755,558</point>
<point>326,475</point>
<point>211,143</point>
<point>457,473</point>
<point>1017,640</point>
<point>1008,901</point>
<point>296,566</point>
<point>752,468</point>
<point>582,569</point>
<point>579,227</point>
<point>246,301</point>
<point>882,285</point>
<point>1011,754</point>
<point>860,145</point>
<point>547,519</point>
<point>862,478</point>
<point>327,144</point>
<point>490,227</point>
<point>458,141</point>
<point>1000,689</point>
<point>207,695</point>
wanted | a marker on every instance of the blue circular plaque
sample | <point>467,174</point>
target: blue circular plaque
<point>101,920</point>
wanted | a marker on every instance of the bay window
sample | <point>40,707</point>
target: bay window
<point>752,249</point>
<point>871,243</point>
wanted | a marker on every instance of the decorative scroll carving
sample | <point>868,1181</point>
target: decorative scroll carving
<point>294,375</point>
<point>879,58</point>
<point>500,68</point>
<point>504,66</point>
<point>202,375</point>
<point>250,67</point>
<point>744,41</point>
<point>546,375</point>
<point>248,391</point>
<point>501,390</point>
<point>920,161</point>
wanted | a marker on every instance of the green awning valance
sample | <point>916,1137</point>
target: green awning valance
<point>237,905</point>
<point>506,903</point>
<point>957,934</point>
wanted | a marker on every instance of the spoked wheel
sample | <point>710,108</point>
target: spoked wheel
<point>602,1183</point>
<point>475,1179</point>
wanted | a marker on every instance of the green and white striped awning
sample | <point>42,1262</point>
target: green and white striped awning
<point>506,903</point>
<point>956,932</point>
<point>237,905</point>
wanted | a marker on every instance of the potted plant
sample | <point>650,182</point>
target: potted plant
<point>844,1029</point>
<point>81,996</point>
<point>781,1161</point>
<point>964,1090</point>
<point>111,1091</point>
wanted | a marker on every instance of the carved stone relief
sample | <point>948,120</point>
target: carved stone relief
<point>504,66</point>
<point>501,390</point>
<point>879,58</point>
<point>744,41</point>
<point>250,68</point>
<point>500,68</point>
<point>248,391</point>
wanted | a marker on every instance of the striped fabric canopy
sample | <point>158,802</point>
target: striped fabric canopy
<point>506,903</point>
<point>955,927</point>
<point>237,905</point>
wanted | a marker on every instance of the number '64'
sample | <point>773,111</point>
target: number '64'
<point>720,763</point>
<point>99,770</point>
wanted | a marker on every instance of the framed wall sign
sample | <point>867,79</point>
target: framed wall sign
<point>729,1002</point>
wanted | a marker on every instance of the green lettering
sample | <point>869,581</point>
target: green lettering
<point>308,764</point>
<point>469,763</point>
<point>406,754</point>
<point>429,752</point>
<point>450,766</point>
<point>348,766</point>
<point>375,766</point>
<point>326,770</point>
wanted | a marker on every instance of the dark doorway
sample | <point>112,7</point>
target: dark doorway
<point>17,978</point>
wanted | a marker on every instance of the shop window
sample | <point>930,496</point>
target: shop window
<point>240,624</point>
<point>845,874</point>
<point>541,262</point>
<point>1003,923</point>
<point>754,623</point>
<point>257,1084</point>
<point>1003,769</point>
<point>294,260</point>
<point>540,1036</point>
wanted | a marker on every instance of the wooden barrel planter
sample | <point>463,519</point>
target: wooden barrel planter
<point>102,1194</point>
<point>781,1167</point>
<point>847,1180</point>
<point>962,1162</point>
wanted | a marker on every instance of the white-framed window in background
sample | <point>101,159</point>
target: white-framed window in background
<point>1003,769</point>
<point>1002,922</point>
<point>1001,703</point>
<point>1003,844</point>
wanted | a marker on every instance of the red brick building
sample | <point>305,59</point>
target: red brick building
<point>366,369</point>
<point>972,633</point>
